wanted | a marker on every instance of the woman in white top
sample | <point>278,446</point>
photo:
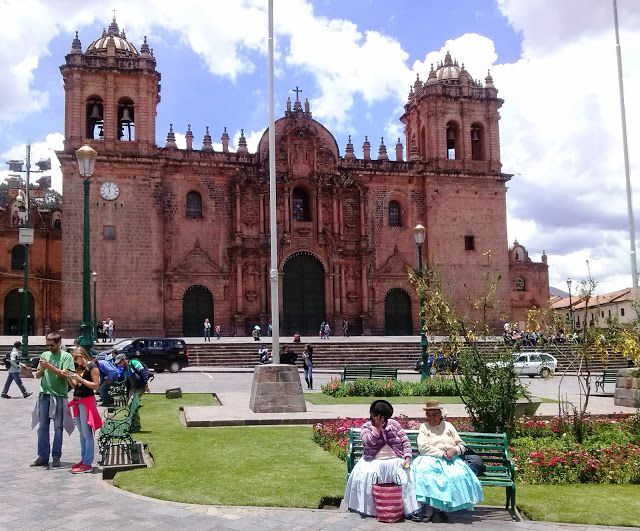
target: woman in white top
<point>444,482</point>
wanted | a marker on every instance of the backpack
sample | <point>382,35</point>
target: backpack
<point>141,375</point>
<point>108,370</point>
<point>7,360</point>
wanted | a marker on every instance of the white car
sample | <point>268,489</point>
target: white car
<point>533,364</point>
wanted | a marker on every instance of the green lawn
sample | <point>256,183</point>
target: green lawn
<point>263,466</point>
<point>590,504</point>
<point>322,399</point>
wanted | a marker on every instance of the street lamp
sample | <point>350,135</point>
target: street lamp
<point>420,232</point>
<point>573,327</point>
<point>86,161</point>
<point>94,279</point>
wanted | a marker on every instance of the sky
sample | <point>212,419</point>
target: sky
<point>553,62</point>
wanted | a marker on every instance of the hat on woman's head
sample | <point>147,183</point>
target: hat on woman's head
<point>432,405</point>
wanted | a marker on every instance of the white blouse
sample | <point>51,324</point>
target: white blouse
<point>436,440</point>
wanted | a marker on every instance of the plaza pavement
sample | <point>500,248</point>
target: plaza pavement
<point>37,498</point>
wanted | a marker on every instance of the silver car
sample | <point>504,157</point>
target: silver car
<point>535,364</point>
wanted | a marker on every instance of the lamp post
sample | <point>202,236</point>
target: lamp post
<point>94,279</point>
<point>420,232</point>
<point>86,161</point>
<point>573,326</point>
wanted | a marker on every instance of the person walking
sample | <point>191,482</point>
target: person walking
<point>327,330</point>
<point>307,363</point>
<point>85,382</point>
<point>321,333</point>
<point>14,372</point>
<point>218,331</point>
<point>52,401</point>
<point>110,326</point>
<point>207,330</point>
<point>345,328</point>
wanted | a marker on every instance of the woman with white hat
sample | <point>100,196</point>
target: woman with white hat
<point>444,482</point>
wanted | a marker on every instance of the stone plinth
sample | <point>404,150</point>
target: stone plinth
<point>527,406</point>
<point>276,389</point>
<point>627,391</point>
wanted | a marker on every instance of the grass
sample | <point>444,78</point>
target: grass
<point>590,504</point>
<point>320,399</point>
<point>261,466</point>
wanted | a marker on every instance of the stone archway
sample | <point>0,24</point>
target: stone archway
<point>14,312</point>
<point>302,294</point>
<point>397,313</point>
<point>197,305</point>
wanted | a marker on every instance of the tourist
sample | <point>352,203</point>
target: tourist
<point>297,338</point>
<point>345,328</point>
<point>386,459</point>
<point>256,333</point>
<point>443,482</point>
<point>14,372</point>
<point>218,331</point>
<point>207,330</point>
<point>327,330</point>
<point>307,363</point>
<point>52,401</point>
<point>137,377</point>
<point>110,327</point>
<point>85,381</point>
<point>321,332</point>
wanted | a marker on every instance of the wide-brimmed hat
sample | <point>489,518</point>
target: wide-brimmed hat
<point>432,405</point>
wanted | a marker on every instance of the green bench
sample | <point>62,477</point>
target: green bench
<point>608,376</point>
<point>118,392</point>
<point>116,431</point>
<point>357,372</point>
<point>491,447</point>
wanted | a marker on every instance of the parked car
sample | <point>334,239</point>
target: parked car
<point>160,354</point>
<point>533,364</point>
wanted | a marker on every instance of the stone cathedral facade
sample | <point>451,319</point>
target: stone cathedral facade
<point>179,235</point>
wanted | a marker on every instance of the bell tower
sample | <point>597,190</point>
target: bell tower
<point>111,94</point>
<point>452,120</point>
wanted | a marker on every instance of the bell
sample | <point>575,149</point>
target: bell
<point>126,117</point>
<point>451,135</point>
<point>475,135</point>
<point>95,112</point>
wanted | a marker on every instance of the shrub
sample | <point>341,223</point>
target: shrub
<point>366,387</point>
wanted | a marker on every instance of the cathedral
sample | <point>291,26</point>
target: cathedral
<point>180,235</point>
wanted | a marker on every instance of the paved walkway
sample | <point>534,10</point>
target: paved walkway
<point>36,498</point>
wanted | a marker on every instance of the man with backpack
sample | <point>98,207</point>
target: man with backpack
<point>108,375</point>
<point>137,376</point>
<point>12,363</point>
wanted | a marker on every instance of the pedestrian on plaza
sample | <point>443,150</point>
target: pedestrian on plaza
<point>218,331</point>
<point>321,333</point>
<point>327,330</point>
<point>136,375</point>
<point>110,327</point>
<point>256,333</point>
<point>296,338</point>
<point>269,329</point>
<point>345,328</point>
<point>85,381</point>
<point>207,330</point>
<point>14,372</point>
<point>307,363</point>
<point>108,375</point>
<point>52,401</point>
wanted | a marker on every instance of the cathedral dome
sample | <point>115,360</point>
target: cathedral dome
<point>113,34</point>
<point>448,71</point>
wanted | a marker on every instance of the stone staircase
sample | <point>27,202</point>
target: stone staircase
<point>334,356</point>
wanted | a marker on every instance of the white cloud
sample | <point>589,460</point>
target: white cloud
<point>39,150</point>
<point>252,138</point>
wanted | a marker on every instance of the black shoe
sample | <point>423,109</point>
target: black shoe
<point>27,395</point>
<point>427,514</point>
<point>5,395</point>
<point>440,517</point>
<point>56,463</point>
<point>417,516</point>
<point>40,462</point>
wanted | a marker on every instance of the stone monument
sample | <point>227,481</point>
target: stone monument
<point>276,389</point>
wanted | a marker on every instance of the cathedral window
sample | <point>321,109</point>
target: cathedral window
<point>126,120</point>
<point>395,216</point>
<point>95,118</point>
<point>17,257</point>
<point>453,141</point>
<point>301,211</point>
<point>469,243</point>
<point>194,205</point>
<point>519,283</point>
<point>477,142</point>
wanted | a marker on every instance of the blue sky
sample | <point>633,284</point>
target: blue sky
<point>553,63</point>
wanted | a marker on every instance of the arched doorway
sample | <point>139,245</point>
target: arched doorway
<point>197,305</point>
<point>302,295</point>
<point>397,313</point>
<point>13,313</point>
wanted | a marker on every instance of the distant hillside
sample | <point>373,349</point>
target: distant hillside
<point>555,292</point>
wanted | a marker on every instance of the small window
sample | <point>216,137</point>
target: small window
<point>469,243</point>
<point>194,205</point>
<point>17,257</point>
<point>109,232</point>
<point>301,211</point>
<point>609,313</point>
<point>395,217</point>
<point>602,313</point>
<point>519,282</point>
<point>477,142</point>
<point>622,312</point>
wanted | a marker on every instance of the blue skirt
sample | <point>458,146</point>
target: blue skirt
<point>447,485</point>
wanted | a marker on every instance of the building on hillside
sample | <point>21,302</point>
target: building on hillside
<point>44,265</point>
<point>599,310</point>
<point>180,235</point>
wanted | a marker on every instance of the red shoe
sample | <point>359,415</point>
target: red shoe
<point>82,469</point>
<point>76,465</point>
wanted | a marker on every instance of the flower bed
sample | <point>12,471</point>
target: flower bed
<point>544,449</point>
<point>365,387</point>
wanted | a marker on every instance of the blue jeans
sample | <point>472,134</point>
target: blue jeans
<point>43,427</point>
<point>13,377</point>
<point>86,436</point>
